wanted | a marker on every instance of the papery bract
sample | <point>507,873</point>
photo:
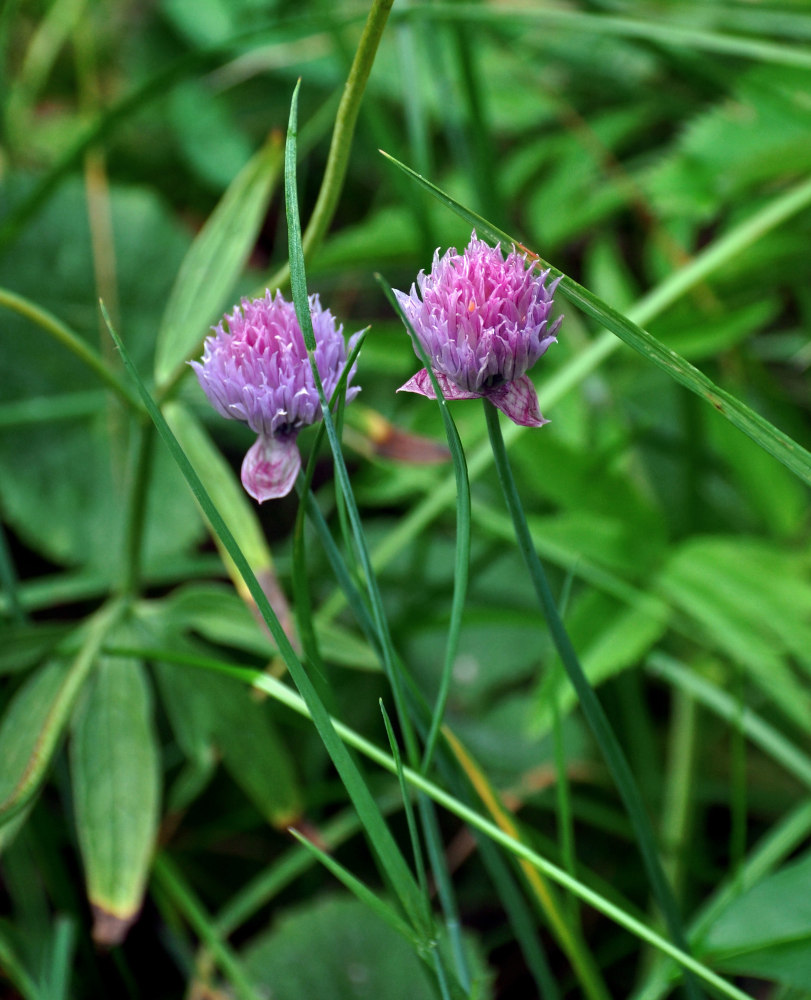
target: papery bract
<point>482,319</point>
<point>255,368</point>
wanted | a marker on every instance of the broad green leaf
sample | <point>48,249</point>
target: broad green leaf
<point>30,734</point>
<point>238,512</point>
<point>36,718</point>
<point>116,787</point>
<point>208,137</point>
<point>26,645</point>
<point>358,956</point>
<point>212,265</point>
<point>218,614</point>
<point>11,827</point>
<point>210,712</point>
<point>766,931</point>
<point>252,750</point>
<point>499,646</point>
<point>82,456</point>
<point>189,718</point>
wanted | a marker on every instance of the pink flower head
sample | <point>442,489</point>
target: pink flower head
<point>255,369</point>
<point>483,322</point>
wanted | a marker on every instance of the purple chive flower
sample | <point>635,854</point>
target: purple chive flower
<point>255,369</point>
<point>483,322</point>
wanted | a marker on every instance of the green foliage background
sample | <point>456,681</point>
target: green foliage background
<point>658,155</point>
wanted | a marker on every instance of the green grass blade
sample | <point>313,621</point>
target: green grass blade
<point>379,834</point>
<point>74,343</point>
<point>301,590</point>
<point>589,703</point>
<point>762,432</point>
<point>166,875</point>
<point>764,735</point>
<point>521,919</point>
<point>362,892</point>
<point>291,865</point>
<point>286,696</point>
<point>462,563</point>
<point>298,283</point>
<point>659,31</point>
<point>416,847</point>
<point>15,971</point>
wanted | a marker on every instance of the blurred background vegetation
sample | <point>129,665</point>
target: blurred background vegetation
<point>619,141</point>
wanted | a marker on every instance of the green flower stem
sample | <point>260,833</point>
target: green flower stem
<point>444,887</point>
<point>287,696</point>
<point>460,582</point>
<point>391,664</point>
<point>411,823</point>
<point>760,430</point>
<point>74,343</point>
<point>677,798</point>
<point>391,860</point>
<point>462,557</point>
<point>298,284</point>
<point>342,135</point>
<point>589,703</point>
<point>669,291</point>
<point>176,890</point>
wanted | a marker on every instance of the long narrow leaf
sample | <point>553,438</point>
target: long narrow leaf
<point>214,261</point>
<point>36,720</point>
<point>589,703</point>
<point>361,891</point>
<point>661,31</point>
<point>182,898</point>
<point>286,696</point>
<point>462,562</point>
<point>379,834</point>
<point>793,455</point>
<point>298,282</point>
<point>116,787</point>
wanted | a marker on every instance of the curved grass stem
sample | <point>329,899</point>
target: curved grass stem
<point>342,135</point>
<point>589,703</point>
